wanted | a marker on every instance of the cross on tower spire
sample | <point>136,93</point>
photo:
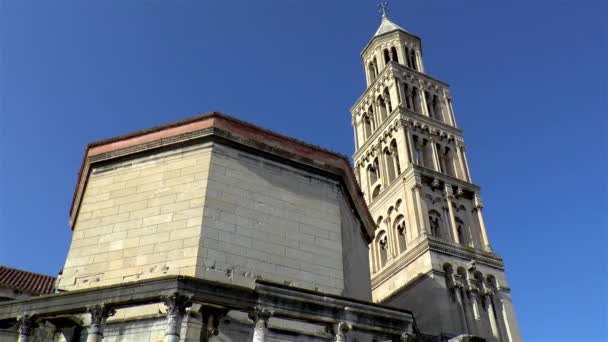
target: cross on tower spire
<point>383,9</point>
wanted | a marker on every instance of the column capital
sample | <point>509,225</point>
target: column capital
<point>260,314</point>
<point>408,337</point>
<point>436,183</point>
<point>478,202</point>
<point>100,313</point>
<point>26,325</point>
<point>176,303</point>
<point>339,331</point>
<point>449,193</point>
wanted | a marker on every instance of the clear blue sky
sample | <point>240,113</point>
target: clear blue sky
<point>528,79</point>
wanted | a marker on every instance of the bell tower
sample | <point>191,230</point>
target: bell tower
<point>431,253</point>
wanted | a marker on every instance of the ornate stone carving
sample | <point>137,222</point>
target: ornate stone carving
<point>99,315</point>
<point>260,317</point>
<point>339,331</point>
<point>176,305</point>
<point>26,326</point>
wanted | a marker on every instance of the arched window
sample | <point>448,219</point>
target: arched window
<point>372,118</point>
<point>435,222</point>
<point>390,164</point>
<point>387,101</point>
<point>401,233</point>
<point>387,57</point>
<point>371,70</point>
<point>382,248</point>
<point>409,96</point>
<point>367,126</point>
<point>418,155</point>
<point>394,56</point>
<point>438,108</point>
<point>372,174</point>
<point>383,108</point>
<point>447,164</point>
<point>429,104</point>
<point>414,64</point>
<point>416,99</point>
<point>463,233</point>
<point>376,191</point>
<point>408,60</point>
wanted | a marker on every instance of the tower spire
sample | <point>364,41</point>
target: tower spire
<point>383,9</point>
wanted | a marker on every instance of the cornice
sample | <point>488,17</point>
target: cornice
<point>432,244</point>
<point>446,179</point>
<point>402,72</point>
<point>228,130</point>
<point>391,120</point>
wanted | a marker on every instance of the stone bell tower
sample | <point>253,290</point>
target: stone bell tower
<point>431,252</point>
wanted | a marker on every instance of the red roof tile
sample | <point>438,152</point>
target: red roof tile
<point>24,281</point>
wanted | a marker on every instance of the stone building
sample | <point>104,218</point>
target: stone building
<point>431,252</point>
<point>213,229</point>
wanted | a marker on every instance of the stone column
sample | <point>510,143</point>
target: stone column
<point>482,226</point>
<point>356,126</point>
<point>410,144</point>
<point>260,319</point>
<point>434,153</point>
<point>419,61</point>
<point>176,305</point>
<point>384,179</point>
<point>417,201</point>
<point>422,96</point>
<point>211,321</point>
<point>401,91</point>
<point>26,328</point>
<point>502,317</point>
<point>449,195</point>
<point>473,295</point>
<point>466,163</point>
<point>339,331</point>
<point>402,148</point>
<point>463,162</point>
<point>457,288</point>
<point>99,315</point>
<point>487,293</point>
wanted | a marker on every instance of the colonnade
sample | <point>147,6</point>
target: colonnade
<point>480,303</point>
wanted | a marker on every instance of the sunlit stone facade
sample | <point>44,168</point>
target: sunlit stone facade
<point>431,252</point>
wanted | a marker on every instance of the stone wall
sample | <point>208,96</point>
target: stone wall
<point>267,219</point>
<point>139,218</point>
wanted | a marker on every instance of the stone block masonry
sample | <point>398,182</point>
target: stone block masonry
<point>139,218</point>
<point>266,219</point>
<point>218,212</point>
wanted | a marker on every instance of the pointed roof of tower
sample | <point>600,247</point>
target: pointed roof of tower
<point>387,26</point>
